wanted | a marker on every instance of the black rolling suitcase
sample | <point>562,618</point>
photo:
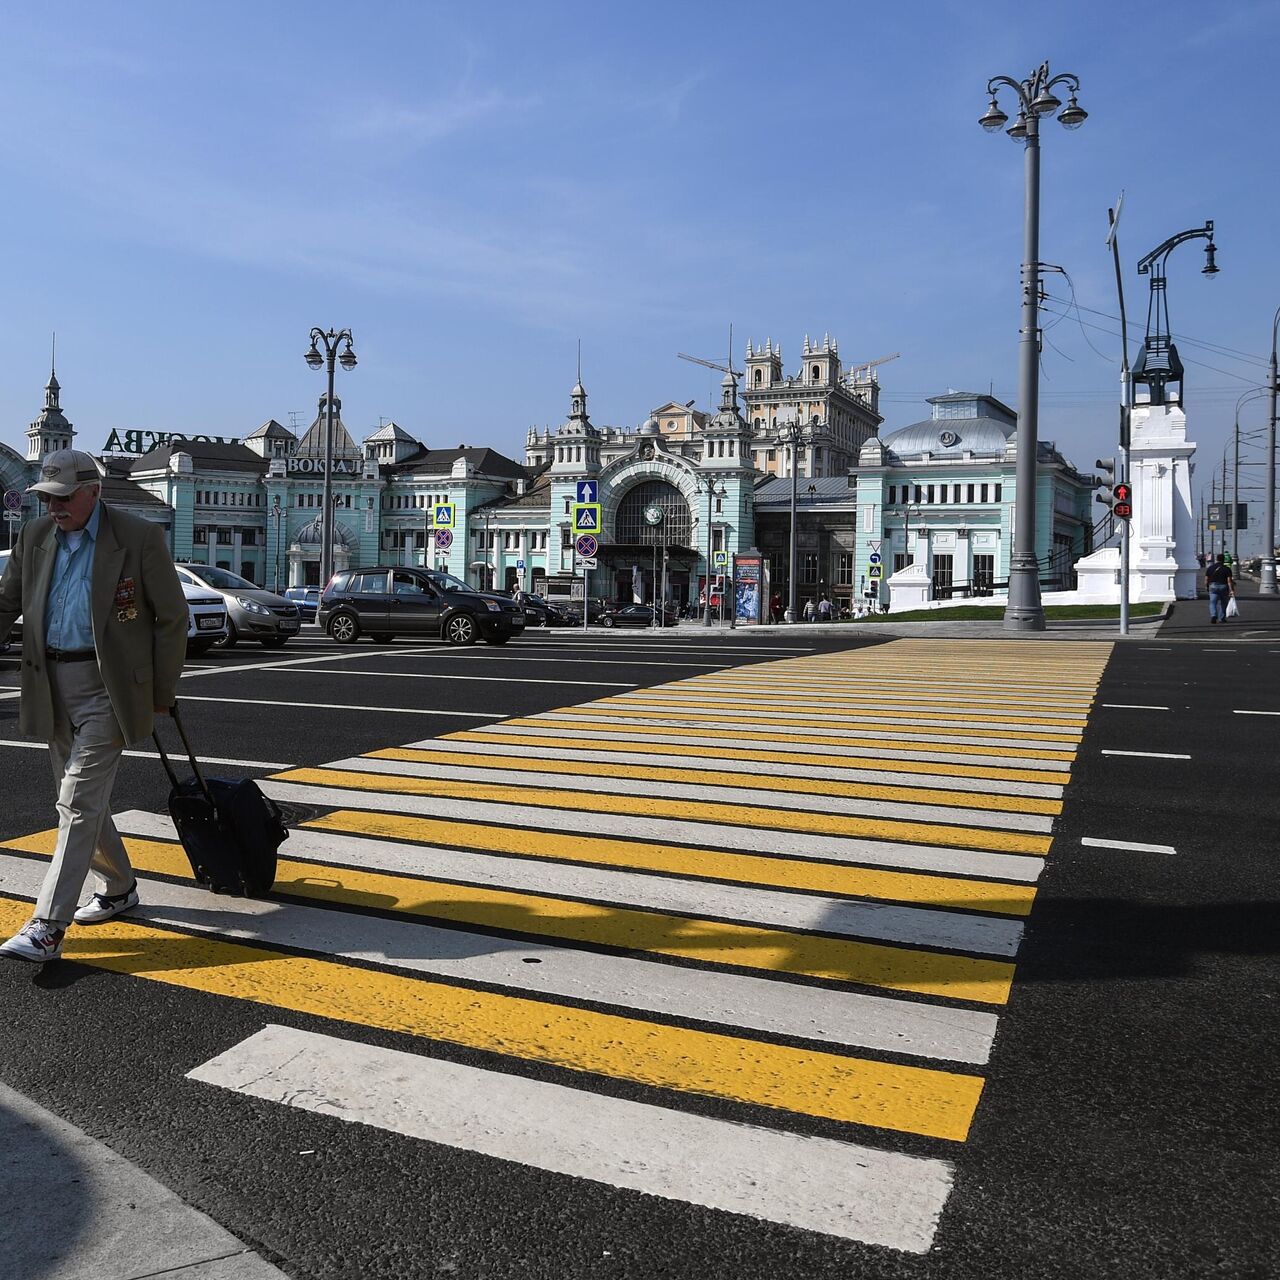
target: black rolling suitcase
<point>230,830</point>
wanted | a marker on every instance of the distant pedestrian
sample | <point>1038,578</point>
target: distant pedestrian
<point>775,607</point>
<point>1222,587</point>
<point>104,636</point>
<point>810,612</point>
<point>824,610</point>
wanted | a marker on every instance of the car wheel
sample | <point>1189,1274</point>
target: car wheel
<point>496,639</point>
<point>344,629</point>
<point>274,642</point>
<point>229,640</point>
<point>381,637</point>
<point>460,628</point>
<point>606,621</point>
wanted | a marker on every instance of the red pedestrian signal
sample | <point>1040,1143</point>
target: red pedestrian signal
<point>1123,506</point>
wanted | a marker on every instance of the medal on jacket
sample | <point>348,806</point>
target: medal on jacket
<point>126,600</point>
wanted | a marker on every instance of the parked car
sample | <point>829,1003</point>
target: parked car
<point>15,636</point>
<point>638,615</point>
<point>384,601</point>
<point>307,599</point>
<point>252,613</point>
<point>206,618</point>
<point>540,612</point>
<point>595,608</point>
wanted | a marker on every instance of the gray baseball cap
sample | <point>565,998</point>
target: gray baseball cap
<point>62,473</point>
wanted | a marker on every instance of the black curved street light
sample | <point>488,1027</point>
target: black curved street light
<point>1035,99</point>
<point>792,433</point>
<point>331,341</point>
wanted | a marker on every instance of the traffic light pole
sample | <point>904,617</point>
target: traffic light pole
<point>1126,405</point>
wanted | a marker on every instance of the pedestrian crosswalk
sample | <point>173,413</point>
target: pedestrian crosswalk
<point>770,914</point>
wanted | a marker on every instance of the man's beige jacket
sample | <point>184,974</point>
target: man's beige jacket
<point>139,615</point>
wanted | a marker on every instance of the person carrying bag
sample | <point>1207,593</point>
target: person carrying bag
<point>1222,590</point>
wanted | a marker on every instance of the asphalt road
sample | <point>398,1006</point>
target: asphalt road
<point>1127,1117</point>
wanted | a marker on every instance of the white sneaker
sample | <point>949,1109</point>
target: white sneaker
<point>37,941</point>
<point>104,906</point>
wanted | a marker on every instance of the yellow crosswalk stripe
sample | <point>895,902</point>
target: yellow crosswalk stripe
<point>836,737</point>
<point>786,724</point>
<point>908,1099</point>
<point>796,784</point>
<point>884,764</point>
<point>919,971</point>
<point>693,863</point>
<point>766,819</point>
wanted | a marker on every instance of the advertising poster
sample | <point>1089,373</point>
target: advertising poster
<point>748,572</point>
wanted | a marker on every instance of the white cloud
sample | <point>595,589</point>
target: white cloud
<point>418,125</point>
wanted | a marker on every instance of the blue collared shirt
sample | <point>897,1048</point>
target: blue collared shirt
<point>68,613</point>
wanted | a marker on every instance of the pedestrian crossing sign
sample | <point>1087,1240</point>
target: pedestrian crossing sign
<point>586,517</point>
<point>875,571</point>
<point>442,515</point>
<point>722,559</point>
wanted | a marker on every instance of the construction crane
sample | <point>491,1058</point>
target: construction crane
<point>728,368</point>
<point>851,375</point>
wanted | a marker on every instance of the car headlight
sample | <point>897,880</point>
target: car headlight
<point>493,606</point>
<point>252,606</point>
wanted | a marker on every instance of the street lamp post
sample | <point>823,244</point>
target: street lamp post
<point>791,433</point>
<point>1267,585</point>
<point>316,360</point>
<point>709,484</point>
<point>276,513</point>
<point>1235,495</point>
<point>1035,98</point>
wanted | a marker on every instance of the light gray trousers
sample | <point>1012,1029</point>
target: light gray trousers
<point>85,753</point>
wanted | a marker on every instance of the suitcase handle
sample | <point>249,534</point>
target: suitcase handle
<point>164,759</point>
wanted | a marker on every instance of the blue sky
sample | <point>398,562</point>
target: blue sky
<point>471,189</point>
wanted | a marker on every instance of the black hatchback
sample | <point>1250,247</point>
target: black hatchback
<point>385,601</point>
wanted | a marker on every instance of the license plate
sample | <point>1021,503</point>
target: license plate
<point>210,622</point>
<point>289,626</point>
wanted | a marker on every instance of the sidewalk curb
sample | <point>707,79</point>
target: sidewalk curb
<point>75,1210</point>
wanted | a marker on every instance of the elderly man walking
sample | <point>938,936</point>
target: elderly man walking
<point>103,643</point>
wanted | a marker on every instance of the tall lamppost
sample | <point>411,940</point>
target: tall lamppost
<point>316,360</point>
<point>1267,585</point>
<point>708,483</point>
<point>1255,394</point>
<point>792,434</point>
<point>1035,99</point>
<point>276,512</point>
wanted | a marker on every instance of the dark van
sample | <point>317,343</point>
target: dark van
<point>384,601</point>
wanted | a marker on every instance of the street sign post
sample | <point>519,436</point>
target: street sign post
<point>587,545</point>
<point>875,572</point>
<point>588,491</point>
<point>444,539</point>
<point>589,562</point>
<point>13,499</point>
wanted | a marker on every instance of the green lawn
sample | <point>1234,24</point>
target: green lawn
<point>994,612</point>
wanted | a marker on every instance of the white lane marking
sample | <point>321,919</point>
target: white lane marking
<point>1151,755</point>
<point>727,1001</point>
<point>286,663</point>
<point>614,646</point>
<point>830,746</point>
<point>1150,649</point>
<point>818,1184</point>
<point>509,655</point>
<point>868,1021</point>
<point>903,810</point>
<point>346,706</point>
<point>946,859</point>
<point>834,707</point>
<point>1127,845</point>
<point>764,768</point>
<point>13,693</point>
<point>152,755</point>
<point>505,678</point>
<point>1133,706</point>
<point>1256,713</point>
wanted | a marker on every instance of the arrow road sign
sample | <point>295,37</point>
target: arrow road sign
<point>587,545</point>
<point>588,490</point>
<point>444,539</point>
<point>586,517</point>
<point>874,557</point>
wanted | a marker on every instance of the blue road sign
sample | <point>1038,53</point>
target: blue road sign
<point>587,546</point>
<point>519,564</point>
<point>588,490</point>
<point>586,517</point>
<point>874,557</point>
<point>442,515</point>
<point>444,539</point>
